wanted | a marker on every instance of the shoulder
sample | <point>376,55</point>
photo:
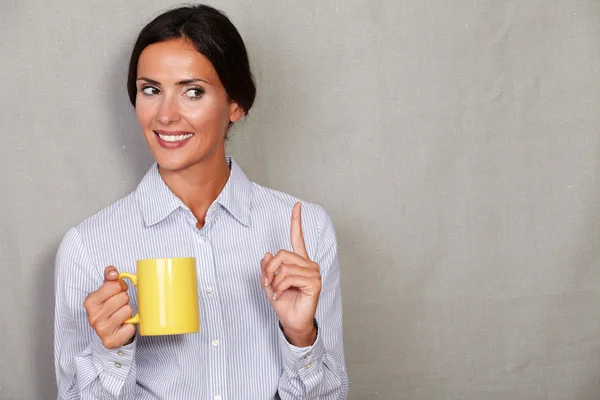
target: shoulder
<point>79,243</point>
<point>117,216</point>
<point>279,204</point>
<point>120,213</point>
<point>273,209</point>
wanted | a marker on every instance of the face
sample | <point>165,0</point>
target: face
<point>181,105</point>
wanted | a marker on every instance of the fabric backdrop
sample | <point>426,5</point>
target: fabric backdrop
<point>455,144</point>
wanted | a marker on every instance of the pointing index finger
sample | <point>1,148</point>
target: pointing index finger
<point>296,235</point>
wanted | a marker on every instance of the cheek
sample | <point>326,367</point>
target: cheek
<point>143,113</point>
<point>207,114</point>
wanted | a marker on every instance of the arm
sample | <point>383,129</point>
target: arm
<point>318,371</point>
<point>85,368</point>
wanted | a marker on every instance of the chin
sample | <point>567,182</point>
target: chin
<point>171,162</point>
<point>179,161</point>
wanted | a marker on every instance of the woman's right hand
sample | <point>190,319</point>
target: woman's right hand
<point>107,309</point>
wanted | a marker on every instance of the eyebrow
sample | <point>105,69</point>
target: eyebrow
<point>180,83</point>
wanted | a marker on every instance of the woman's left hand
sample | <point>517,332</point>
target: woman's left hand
<point>292,283</point>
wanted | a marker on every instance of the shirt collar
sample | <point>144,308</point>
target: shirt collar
<point>236,196</point>
<point>157,201</point>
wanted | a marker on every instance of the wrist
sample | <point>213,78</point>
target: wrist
<point>303,337</point>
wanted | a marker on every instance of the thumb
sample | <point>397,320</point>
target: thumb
<point>111,273</point>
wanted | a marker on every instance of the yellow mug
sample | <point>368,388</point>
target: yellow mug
<point>167,295</point>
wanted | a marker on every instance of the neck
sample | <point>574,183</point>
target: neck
<point>199,185</point>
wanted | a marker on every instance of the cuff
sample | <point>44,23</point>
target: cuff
<point>115,362</point>
<point>301,360</point>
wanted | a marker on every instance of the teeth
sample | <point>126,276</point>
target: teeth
<point>175,138</point>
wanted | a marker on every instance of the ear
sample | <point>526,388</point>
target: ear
<point>235,112</point>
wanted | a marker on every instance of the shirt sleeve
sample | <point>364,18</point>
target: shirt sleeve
<point>318,372</point>
<point>85,369</point>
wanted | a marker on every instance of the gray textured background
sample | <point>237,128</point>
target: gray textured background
<point>455,144</point>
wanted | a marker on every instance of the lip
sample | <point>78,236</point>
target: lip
<point>172,145</point>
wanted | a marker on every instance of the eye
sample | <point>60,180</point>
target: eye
<point>150,90</point>
<point>194,93</point>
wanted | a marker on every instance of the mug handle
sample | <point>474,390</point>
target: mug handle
<point>133,278</point>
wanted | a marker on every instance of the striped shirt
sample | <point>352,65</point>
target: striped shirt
<point>240,351</point>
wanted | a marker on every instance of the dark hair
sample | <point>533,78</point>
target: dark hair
<point>213,35</point>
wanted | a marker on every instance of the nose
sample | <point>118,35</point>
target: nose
<point>168,111</point>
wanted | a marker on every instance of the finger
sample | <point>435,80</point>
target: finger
<point>284,257</point>
<point>124,333</point>
<point>105,292</point>
<point>109,289</point>
<point>296,235</point>
<point>266,259</point>
<point>122,314</point>
<point>263,264</point>
<point>114,303</point>
<point>293,270</point>
<point>308,286</point>
<point>111,273</point>
<point>119,336</point>
<point>264,279</point>
<point>266,288</point>
<point>271,264</point>
<point>106,323</point>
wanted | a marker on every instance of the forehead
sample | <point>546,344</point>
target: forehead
<point>174,60</point>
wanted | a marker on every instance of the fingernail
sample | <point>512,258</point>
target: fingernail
<point>112,273</point>
<point>266,281</point>
<point>274,296</point>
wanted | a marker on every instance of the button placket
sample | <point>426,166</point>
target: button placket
<point>217,352</point>
<point>213,317</point>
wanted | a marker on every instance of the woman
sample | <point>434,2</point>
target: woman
<point>268,275</point>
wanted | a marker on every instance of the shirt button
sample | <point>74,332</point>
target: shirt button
<point>308,365</point>
<point>118,365</point>
<point>209,290</point>
<point>215,342</point>
<point>217,397</point>
<point>120,353</point>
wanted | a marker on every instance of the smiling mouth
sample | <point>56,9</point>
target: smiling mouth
<point>172,138</point>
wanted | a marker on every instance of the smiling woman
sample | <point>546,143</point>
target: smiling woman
<point>267,267</point>
<point>182,105</point>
